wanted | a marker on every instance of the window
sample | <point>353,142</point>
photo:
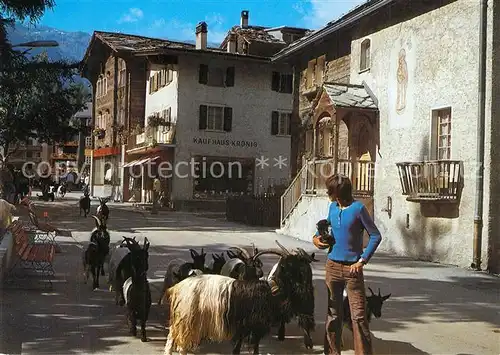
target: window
<point>88,142</point>
<point>121,117</point>
<point>88,160</point>
<point>122,77</point>
<point>214,76</point>
<point>166,115</point>
<point>364,60</point>
<point>37,155</point>
<point>216,118</point>
<point>281,123</point>
<point>29,154</point>
<point>282,82</point>
<point>160,79</point>
<point>98,120</point>
<point>441,134</point>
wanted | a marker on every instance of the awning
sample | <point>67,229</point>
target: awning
<point>141,161</point>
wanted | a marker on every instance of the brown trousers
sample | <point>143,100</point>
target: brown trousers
<point>338,278</point>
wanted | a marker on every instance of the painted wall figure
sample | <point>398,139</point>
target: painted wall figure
<point>402,76</point>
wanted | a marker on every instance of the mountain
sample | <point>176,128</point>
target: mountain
<point>72,45</point>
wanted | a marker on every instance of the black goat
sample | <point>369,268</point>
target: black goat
<point>120,268</point>
<point>239,308</point>
<point>102,209</point>
<point>373,307</point>
<point>242,265</point>
<point>215,266</point>
<point>84,204</point>
<point>296,299</point>
<point>96,252</point>
<point>178,270</point>
<point>136,288</point>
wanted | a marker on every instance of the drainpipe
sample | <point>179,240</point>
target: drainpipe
<point>478,207</point>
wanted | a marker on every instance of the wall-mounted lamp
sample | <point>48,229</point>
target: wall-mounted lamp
<point>388,207</point>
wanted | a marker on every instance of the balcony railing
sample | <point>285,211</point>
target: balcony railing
<point>63,156</point>
<point>156,135</point>
<point>362,175</point>
<point>433,181</point>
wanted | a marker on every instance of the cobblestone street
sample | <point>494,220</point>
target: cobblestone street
<point>433,309</point>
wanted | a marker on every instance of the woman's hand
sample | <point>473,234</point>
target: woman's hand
<point>318,244</point>
<point>356,269</point>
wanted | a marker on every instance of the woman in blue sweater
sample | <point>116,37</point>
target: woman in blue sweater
<point>344,269</point>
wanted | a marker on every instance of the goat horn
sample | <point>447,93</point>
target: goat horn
<point>379,292</point>
<point>97,220</point>
<point>285,250</point>
<point>371,291</point>
<point>243,252</point>
<point>268,251</point>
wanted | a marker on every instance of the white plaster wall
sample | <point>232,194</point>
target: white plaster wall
<point>162,99</point>
<point>301,223</point>
<point>252,101</point>
<point>442,55</point>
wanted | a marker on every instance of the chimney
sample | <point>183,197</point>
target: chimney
<point>201,36</point>
<point>244,19</point>
<point>231,43</point>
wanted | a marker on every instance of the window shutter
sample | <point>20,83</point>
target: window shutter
<point>230,76</point>
<point>228,119</point>
<point>289,132</point>
<point>202,123</point>
<point>275,81</point>
<point>274,123</point>
<point>203,74</point>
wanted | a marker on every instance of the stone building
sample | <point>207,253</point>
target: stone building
<point>118,79</point>
<point>201,113</point>
<point>389,96</point>
<point>135,78</point>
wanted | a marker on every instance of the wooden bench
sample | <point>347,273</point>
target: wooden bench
<point>39,256</point>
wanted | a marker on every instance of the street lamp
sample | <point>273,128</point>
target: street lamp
<point>37,44</point>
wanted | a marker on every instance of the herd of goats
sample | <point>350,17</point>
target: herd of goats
<point>224,300</point>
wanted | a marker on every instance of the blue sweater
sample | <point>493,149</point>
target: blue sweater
<point>347,227</point>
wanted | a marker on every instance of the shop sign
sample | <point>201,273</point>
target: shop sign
<point>226,142</point>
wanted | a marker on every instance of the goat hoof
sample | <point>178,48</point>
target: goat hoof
<point>121,303</point>
<point>281,337</point>
<point>308,343</point>
<point>144,339</point>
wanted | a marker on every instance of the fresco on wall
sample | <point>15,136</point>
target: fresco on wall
<point>401,84</point>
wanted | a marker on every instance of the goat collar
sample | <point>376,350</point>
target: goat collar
<point>274,287</point>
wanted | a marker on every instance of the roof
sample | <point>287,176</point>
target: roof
<point>122,42</point>
<point>358,12</point>
<point>252,33</point>
<point>134,43</point>
<point>298,29</point>
<point>349,96</point>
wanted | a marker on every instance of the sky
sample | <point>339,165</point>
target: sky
<point>177,19</point>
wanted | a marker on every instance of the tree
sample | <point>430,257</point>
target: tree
<point>37,100</point>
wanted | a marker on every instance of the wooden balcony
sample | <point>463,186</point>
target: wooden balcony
<point>311,180</point>
<point>362,175</point>
<point>156,135</point>
<point>431,181</point>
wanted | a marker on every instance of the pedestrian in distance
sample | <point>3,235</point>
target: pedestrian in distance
<point>349,219</point>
